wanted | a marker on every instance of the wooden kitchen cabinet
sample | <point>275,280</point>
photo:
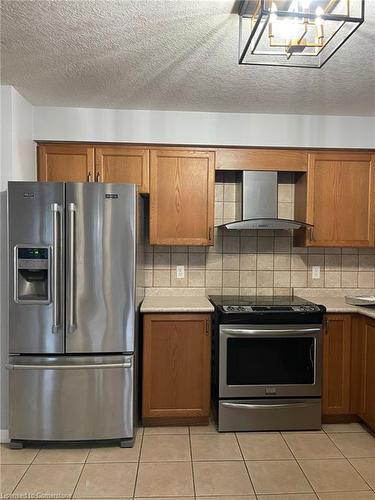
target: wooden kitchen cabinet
<point>176,369</point>
<point>368,408</point>
<point>286,160</point>
<point>123,165</point>
<point>182,188</point>
<point>65,163</point>
<point>336,365</point>
<point>337,196</point>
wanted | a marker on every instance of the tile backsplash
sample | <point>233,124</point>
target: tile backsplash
<point>256,262</point>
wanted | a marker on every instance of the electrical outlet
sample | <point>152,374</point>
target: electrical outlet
<point>315,272</point>
<point>180,272</point>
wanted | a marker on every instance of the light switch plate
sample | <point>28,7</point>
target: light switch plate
<point>180,272</point>
<point>315,272</point>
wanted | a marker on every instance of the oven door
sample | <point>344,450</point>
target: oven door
<point>270,361</point>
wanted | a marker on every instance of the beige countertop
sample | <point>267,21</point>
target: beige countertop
<point>338,305</point>
<point>178,303</point>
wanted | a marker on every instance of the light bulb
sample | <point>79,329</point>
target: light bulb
<point>319,11</point>
<point>305,4</point>
<point>273,16</point>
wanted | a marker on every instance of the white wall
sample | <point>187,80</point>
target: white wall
<point>17,163</point>
<point>175,127</point>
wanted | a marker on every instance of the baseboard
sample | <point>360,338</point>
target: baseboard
<point>4,436</point>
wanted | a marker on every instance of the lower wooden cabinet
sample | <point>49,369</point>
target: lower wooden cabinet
<point>368,408</point>
<point>176,369</point>
<point>349,369</point>
<point>336,364</point>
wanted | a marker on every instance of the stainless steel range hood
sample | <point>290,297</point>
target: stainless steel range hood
<point>259,204</point>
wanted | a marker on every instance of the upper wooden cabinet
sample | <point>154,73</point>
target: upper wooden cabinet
<point>336,364</point>
<point>119,164</point>
<point>65,162</point>
<point>337,196</point>
<point>181,197</point>
<point>261,159</point>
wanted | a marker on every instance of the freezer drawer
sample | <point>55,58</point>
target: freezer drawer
<point>71,398</point>
<point>269,414</point>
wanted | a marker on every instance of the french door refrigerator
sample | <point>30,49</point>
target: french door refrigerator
<point>75,255</point>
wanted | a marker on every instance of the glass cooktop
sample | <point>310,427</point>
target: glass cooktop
<point>262,304</point>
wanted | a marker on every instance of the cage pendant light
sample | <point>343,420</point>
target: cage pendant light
<point>296,33</point>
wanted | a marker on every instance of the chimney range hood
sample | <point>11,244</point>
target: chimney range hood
<point>259,204</point>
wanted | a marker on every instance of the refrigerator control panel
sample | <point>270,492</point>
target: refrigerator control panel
<point>32,274</point>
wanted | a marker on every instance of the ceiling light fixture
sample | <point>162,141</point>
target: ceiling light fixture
<point>296,33</point>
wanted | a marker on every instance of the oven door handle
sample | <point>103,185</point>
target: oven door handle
<point>254,406</point>
<point>261,333</point>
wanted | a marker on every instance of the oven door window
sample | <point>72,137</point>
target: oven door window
<point>270,361</point>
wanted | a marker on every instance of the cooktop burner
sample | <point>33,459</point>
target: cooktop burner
<point>231,304</point>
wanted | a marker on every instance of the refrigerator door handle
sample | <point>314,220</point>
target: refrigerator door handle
<point>127,364</point>
<point>71,323</point>
<point>56,267</point>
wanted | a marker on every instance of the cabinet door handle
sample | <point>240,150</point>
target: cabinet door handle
<point>206,332</point>
<point>209,233</point>
<point>98,177</point>
<point>89,175</point>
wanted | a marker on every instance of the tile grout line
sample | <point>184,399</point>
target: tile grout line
<point>139,462</point>
<point>244,462</point>
<point>359,473</point>
<point>192,464</point>
<point>80,474</point>
<point>299,465</point>
<point>23,475</point>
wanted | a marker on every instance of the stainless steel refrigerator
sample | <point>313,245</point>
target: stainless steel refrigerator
<point>75,279</point>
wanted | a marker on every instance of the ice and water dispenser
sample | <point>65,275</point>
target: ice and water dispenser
<point>32,274</point>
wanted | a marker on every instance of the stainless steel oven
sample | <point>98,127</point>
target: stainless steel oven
<point>270,361</point>
<point>267,363</point>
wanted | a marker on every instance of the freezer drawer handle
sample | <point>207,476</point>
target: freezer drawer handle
<point>71,209</point>
<point>128,364</point>
<point>56,267</point>
<point>244,406</point>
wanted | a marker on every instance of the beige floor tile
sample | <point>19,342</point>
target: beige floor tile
<point>312,446</point>
<point>148,431</point>
<point>349,495</point>
<point>215,447</point>
<point>355,445</point>
<point>106,480</point>
<point>352,427</point>
<point>270,477</point>
<point>292,496</point>
<point>61,455</point>
<point>167,448</point>
<point>366,467</point>
<point>263,446</point>
<point>332,475</point>
<point>221,478</point>
<point>115,453</point>
<point>24,456</point>
<point>49,480</point>
<point>9,477</point>
<point>164,479</point>
<point>203,429</point>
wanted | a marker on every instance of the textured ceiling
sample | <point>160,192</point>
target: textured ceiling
<point>171,55</point>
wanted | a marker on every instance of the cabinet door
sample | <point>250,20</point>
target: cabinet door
<point>336,364</point>
<point>65,163</point>
<point>341,199</point>
<point>176,368</point>
<point>118,164</point>
<point>369,374</point>
<point>182,197</point>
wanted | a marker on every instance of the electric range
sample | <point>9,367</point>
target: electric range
<point>267,363</point>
